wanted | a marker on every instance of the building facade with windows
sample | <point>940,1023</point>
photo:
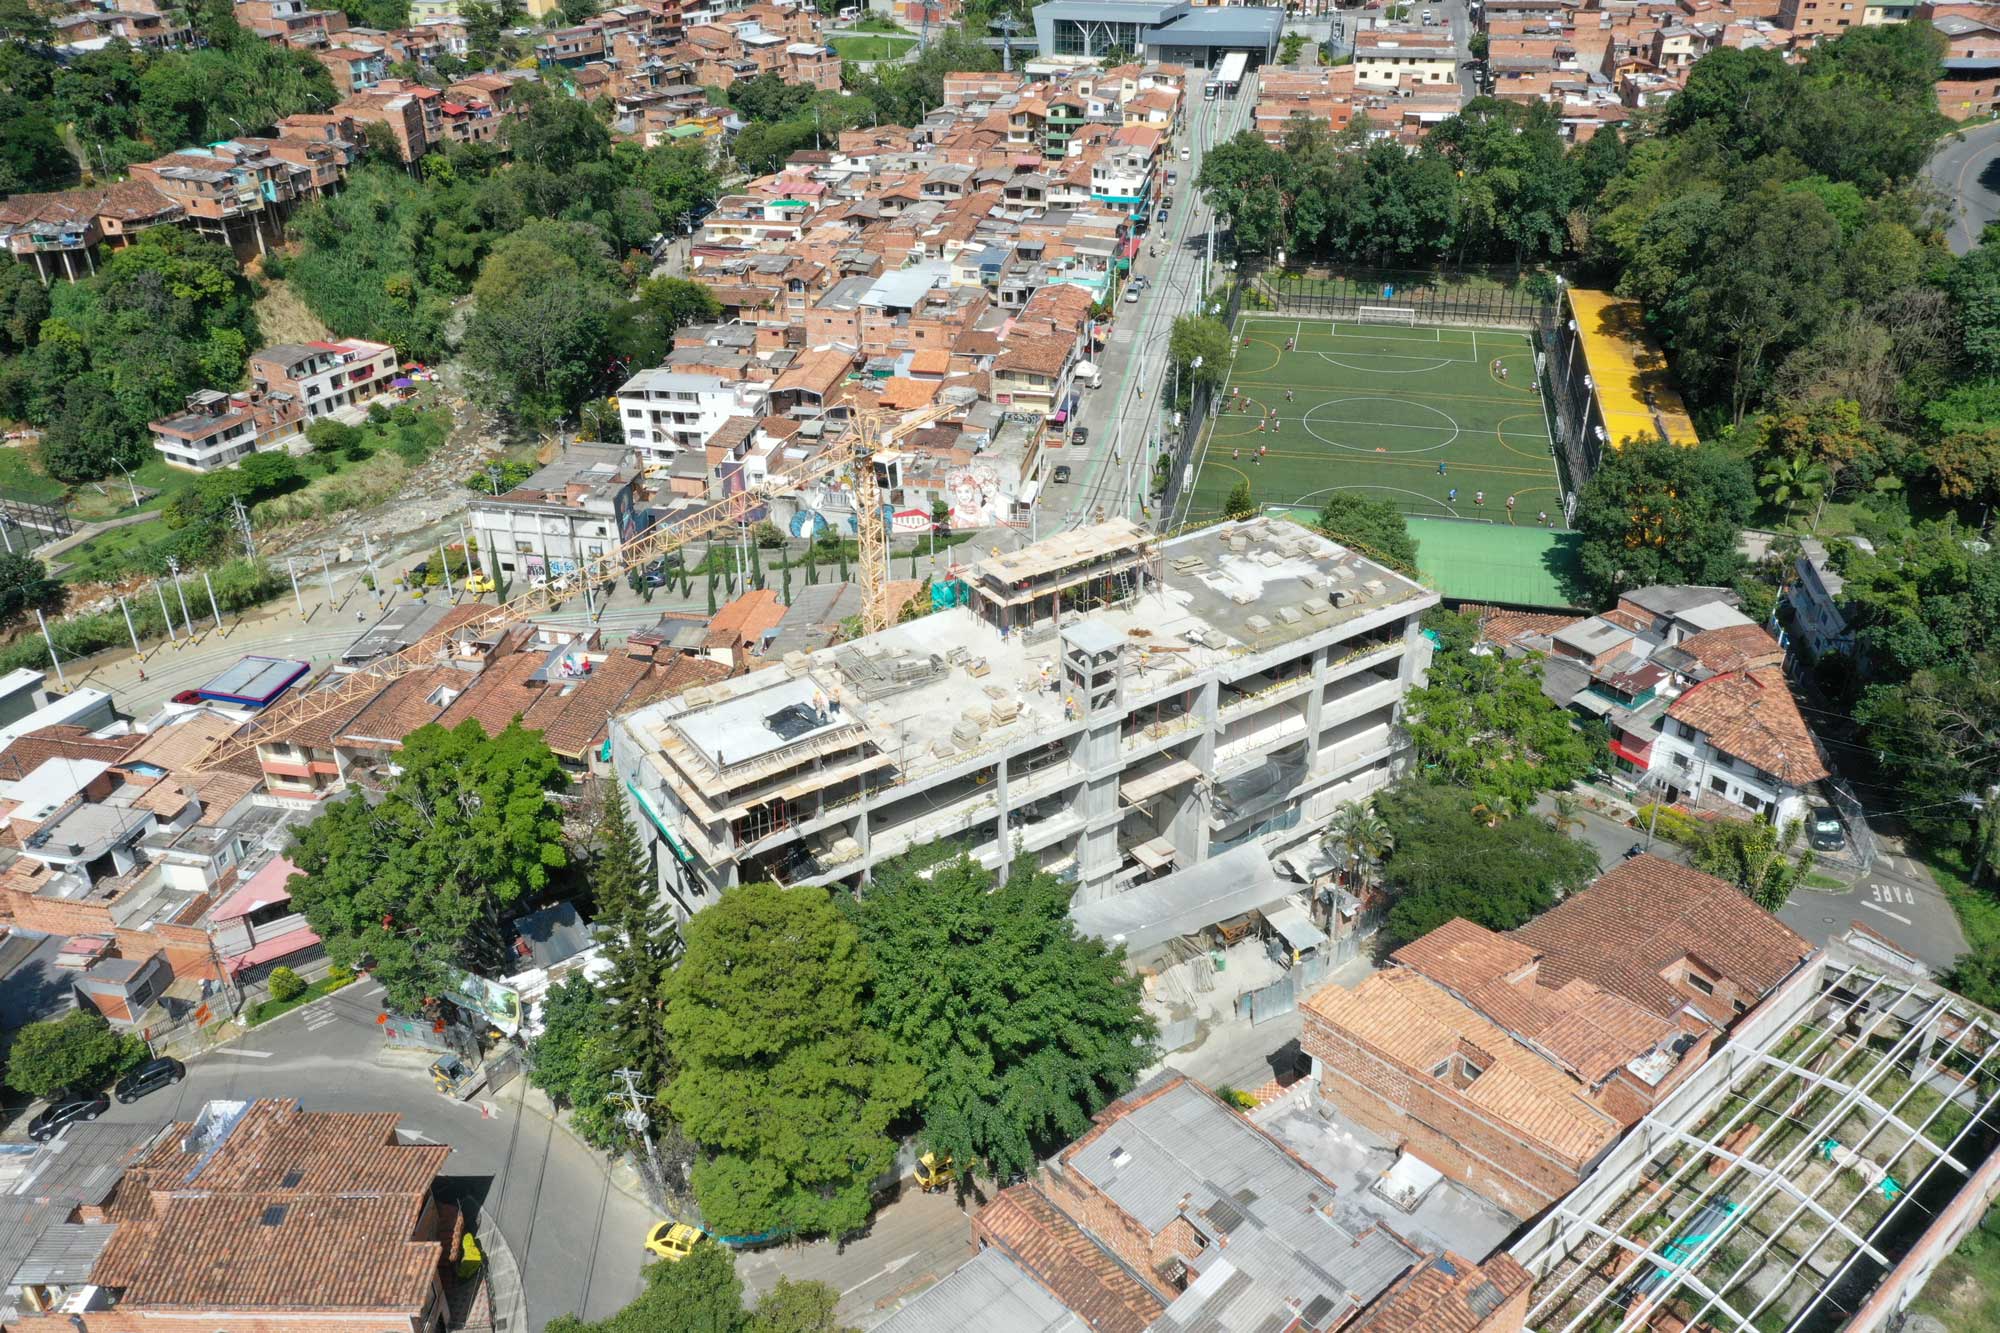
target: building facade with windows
<point>580,508</point>
<point>1109,705</point>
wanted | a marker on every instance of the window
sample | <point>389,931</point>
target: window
<point>1701,984</point>
<point>1718,786</point>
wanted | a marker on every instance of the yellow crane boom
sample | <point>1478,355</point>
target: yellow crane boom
<point>870,433</point>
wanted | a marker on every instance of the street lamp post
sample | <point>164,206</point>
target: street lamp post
<point>174,568</point>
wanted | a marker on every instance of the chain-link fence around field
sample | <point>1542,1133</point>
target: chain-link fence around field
<point>1202,405</point>
<point>1470,297</point>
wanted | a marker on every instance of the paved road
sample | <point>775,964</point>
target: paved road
<point>1967,168</point>
<point>1121,418</point>
<point>574,1240</point>
<point>1897,899</point>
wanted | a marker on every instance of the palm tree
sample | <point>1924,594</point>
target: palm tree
<point>1568,812</point>
<point>1364,835</point>
<point>1794,479</point>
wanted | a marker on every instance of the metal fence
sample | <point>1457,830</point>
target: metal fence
<point>1181,447</point>
<point>1566,389</point>
<point>1470,297</point>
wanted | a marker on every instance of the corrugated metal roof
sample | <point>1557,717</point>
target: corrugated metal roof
<point>987,1295</point>
<point>1287,1244</point>
<point>63,1254</point>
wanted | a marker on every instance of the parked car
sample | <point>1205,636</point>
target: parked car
<point>1185,152</point>
<point>1167,201</point>
<point>188,697</point>
<point>163,1072</point>
<point>1080,436</point>
<point>1061,477</point>
<point>1131,295</point>
<point>672,1241</point>
<point>1827,833</point>
<point>1173,177</point>
<point>65,1108</point>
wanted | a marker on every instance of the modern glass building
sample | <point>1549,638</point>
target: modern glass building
<point>1171,30</point>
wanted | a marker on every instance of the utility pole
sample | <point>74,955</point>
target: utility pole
<point>326,568</point>
<point>296,598</point>
<point>636,1120</point>
<point>174,568</point>
<point>54,661</point>
<point>165,614</point>
<point>211,600</point>
<point>243,526</point>
<point>128,627</point>
<point>445,564</point>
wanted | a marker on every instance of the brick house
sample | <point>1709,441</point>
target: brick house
<point>257,1215</point>
<point>218,429</point>
<point>324,376</point>
<point>1513,1062</point>
<point>1176,1211</point>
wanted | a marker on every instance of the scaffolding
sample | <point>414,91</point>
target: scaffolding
<point>1779,1192</point>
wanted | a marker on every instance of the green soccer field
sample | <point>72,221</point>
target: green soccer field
<point>1395,412</point>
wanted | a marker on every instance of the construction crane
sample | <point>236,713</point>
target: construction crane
<point>875,468</point>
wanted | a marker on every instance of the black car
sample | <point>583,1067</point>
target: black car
<point>67,1106</point>
<point>1827,833</point>
<point>1062,475</point>
<point>1080,436</point>
<point>150,1077</point>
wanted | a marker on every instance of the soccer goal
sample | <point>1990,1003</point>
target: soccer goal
<point>1386,314</point>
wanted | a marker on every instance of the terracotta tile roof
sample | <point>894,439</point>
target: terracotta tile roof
<point>570,721</point>
<point>36,748</point>
<point>178,746</point>
<point>206,1231</point>
<point>222,789</point>
<point>1646,913</point>
<point>745,619</point>
<point>1587,1030</point>
<point>1503,627</point>
<point>1057,1253</point>
<point>1750,715</point>
<point>902,394</point>
<point>930,361</point>
<point>671,677</point>
<point>1448,1294</point>
<point>1734,648</point>
<point>394,711</point>
<point>1418,1024</point>
<point>499,694</point>
<point>1045,355</point>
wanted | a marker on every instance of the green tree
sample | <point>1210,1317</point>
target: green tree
<point>1199,338</point>
<point>798,1307</point>
<point>78,1050</point>
<point>1240,504</point>
<point>574,1057</point>
<point>25,585</point>
<point>643,328</point>
<point>1454,858</point>
<point>1937,739</point>
<point>1375,528</point>
<point>639,941</point>
<point>1244,179</point>
<point>1363,836</point>
<point>1753,856</point>
<point>543,299</point>
<point>779,1081</point>
<point>1483,723</point>
<point>699,1293</point>
<point>412,886</point>
<point>1794,479</point>
<point>1655,512</point>
<point>1022,1029</point>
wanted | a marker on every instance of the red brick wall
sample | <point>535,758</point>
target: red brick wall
<point>1446,1132</point>
<point>1111,1225</point>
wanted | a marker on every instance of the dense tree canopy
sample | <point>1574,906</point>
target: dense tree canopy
<point>412,886</point>
<point>1482,723</point>
<point>1453,856</point>
<point>702,1294</point>
<point>780,1082</point>
<point>78,1050</point>
<point>1655,512</point>
<point>1022,1029</point>
<point>1373,527</point>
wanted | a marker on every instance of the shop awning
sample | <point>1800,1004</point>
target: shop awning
<point>1028,494</point>
<point>1132,243</point>
<point>1145,786</point>
<point>1630,755</point>
<point>1185,902</point>
<point>1059,416</point>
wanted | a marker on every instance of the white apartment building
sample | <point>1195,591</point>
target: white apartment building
<point>1738,738</point>
<point>1385,57</point>
<point>1229,687</point>
<point>581,507</point>
<point>666,411</point>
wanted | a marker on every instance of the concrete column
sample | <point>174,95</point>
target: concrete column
<point>1005,837</point>
<point>1316,701</point>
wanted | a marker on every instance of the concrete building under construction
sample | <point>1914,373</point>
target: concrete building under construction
<point>1116,706</point>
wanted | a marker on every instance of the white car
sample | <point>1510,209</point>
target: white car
<point>1131,295</point>
<point>1186,152</point>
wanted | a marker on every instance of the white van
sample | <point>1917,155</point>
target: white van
<point>849,14</point>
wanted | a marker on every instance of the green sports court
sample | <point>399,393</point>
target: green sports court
<point>1379,408</point>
